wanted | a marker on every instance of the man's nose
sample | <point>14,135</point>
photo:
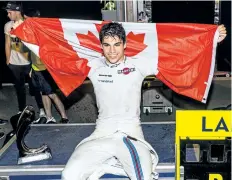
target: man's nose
<point>112,49</point>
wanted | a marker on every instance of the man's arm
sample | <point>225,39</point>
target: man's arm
<point>7,48</point>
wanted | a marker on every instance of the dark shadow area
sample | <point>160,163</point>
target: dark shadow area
<point>5,73</point>
<point>224,49</point>
<point>183,11</point>
<point>89,10</point>
<point>75,96</point>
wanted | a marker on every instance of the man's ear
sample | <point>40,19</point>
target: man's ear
<point>124,45</point>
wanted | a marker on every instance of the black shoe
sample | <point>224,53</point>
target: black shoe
<point>41,120</point>
<point>64,121</point>
<point>51,122</point>
<point>2,121</point>
<point>8,137</point>
<point>2,134</point>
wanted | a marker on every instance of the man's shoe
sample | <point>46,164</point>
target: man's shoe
<point>41,120</point>
<point>2,121</point>
<point>51,121</point>
<point>19,112</point>
<point>2,134</point>
<point>42,117</point>
<point>64,120</point>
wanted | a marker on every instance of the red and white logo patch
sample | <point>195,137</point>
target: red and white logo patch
<point>126,71</point>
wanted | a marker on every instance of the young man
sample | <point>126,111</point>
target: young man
<point>43,82</point>
<point>118,137</point>
<point>17,57</point>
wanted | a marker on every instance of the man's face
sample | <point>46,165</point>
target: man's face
<point>12,15</point>
<point>113,49</point>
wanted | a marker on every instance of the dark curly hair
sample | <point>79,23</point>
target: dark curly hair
<point>112,29</point>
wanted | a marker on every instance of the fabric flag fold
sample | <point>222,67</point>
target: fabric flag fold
<point>185,52</point>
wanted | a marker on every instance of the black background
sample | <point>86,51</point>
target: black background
<point>173,11</point>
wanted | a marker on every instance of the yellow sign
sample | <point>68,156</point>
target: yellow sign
<point>215,177</point>
<point>204,123</point>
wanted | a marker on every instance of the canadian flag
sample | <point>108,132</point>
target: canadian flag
<point>185,52</point>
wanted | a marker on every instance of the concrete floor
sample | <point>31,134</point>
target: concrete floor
<point>81,107</point>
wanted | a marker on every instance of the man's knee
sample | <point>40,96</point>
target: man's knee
<point>74,171</point>
<point>52,96</point>
<point>145,175</point>
<point>148,176</point>
<point>65,174</point>
<point>71,174</point>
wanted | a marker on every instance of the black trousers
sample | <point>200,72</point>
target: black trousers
<point>20,73</point>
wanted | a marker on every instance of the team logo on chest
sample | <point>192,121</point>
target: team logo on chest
<point>126,71</point>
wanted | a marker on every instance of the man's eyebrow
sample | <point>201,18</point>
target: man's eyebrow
<point>114,43</point>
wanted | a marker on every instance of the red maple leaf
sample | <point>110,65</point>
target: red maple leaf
<point>89,41</point>
<point>99,26</point>
<point>134,43</point>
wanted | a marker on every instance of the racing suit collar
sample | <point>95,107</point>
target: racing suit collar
<point>116,64</point>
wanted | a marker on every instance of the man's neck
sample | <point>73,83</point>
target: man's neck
<point>123,59</point>
<point>19,18</point>
<point>108,63</point>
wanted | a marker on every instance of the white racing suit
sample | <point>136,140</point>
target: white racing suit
<point>117,145</point>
